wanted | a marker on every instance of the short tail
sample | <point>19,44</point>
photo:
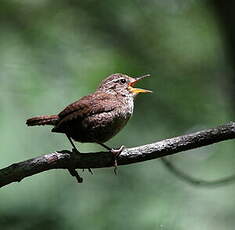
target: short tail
<point>42,120</point>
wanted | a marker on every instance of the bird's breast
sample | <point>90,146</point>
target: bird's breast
<point>103,126</point>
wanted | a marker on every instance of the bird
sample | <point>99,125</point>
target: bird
<point>99,116</point>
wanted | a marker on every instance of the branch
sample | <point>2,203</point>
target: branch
<point>71,160</point>
<point>195,181</point>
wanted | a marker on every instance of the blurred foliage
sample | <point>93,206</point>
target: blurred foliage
<point>54,52</point>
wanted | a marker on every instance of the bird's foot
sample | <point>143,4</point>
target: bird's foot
<point>74,173</point>
<point>89,170</point>
<point>74,150</point>
<point>116,153</point>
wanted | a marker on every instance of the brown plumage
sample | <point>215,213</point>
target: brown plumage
<point>43,120</point>
<point>98,116</point>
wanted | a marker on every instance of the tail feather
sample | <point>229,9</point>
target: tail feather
<point>42,120</point>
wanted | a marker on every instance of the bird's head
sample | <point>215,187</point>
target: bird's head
<point>122,84</point>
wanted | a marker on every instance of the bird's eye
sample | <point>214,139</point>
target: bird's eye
<point>123,80</point>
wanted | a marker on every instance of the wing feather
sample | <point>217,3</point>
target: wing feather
<point>86,106</point>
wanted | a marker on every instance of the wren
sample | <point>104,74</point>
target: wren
<point>98,117</point>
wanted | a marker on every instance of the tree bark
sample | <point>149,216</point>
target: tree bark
<point>70,160</point>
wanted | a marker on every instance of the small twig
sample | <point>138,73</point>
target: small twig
<point>195,181</point>
<point>67,160</point>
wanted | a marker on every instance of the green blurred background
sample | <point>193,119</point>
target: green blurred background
<point>54,52</point>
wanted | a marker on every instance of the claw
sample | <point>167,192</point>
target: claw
<point>116,153</point>
<point>89,169</point>
<point>74,173</point>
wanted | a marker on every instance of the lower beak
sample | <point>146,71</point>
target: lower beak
<point>138,90</point>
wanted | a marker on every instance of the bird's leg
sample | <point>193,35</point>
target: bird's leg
<point>75,150</point>
<point>70,140</point>
<point>115,152</point>
<point>105,146</point>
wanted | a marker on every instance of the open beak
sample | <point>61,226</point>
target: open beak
<point>137,90</point>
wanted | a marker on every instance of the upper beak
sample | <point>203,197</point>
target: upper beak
<point>138,90</point>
